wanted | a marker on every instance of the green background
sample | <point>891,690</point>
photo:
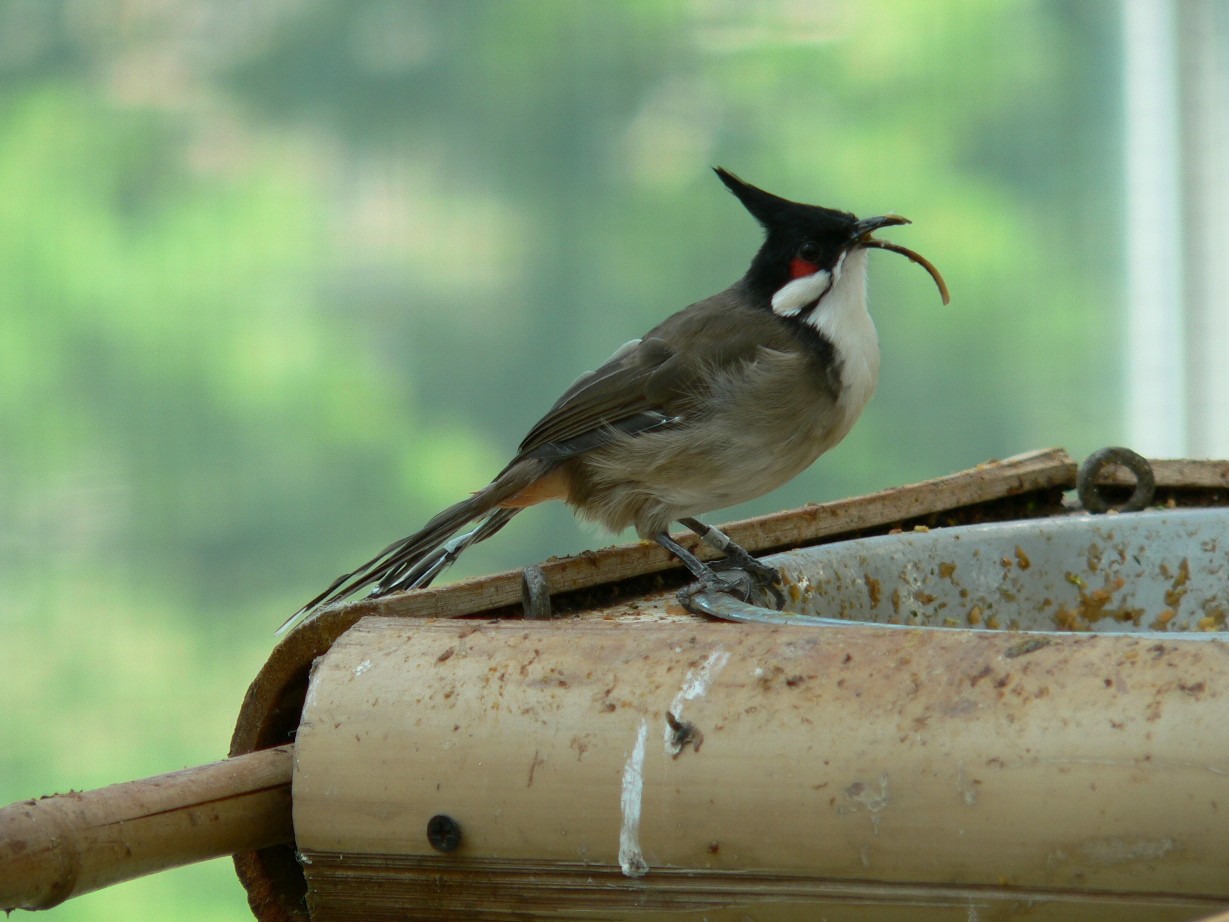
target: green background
<point>279,279</point>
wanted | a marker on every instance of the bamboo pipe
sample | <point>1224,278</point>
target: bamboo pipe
<point>508,770</point>
<point>69,844</point>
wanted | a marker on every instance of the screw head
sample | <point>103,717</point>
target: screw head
<point>443,832</point>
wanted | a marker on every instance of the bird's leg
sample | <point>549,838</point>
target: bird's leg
<point>708,579</point>
<point>737,556</point>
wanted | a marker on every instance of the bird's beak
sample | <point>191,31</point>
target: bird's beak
<point>867,226</point>
<point>863,229</point>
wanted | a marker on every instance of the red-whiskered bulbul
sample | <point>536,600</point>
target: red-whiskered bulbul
<point>720,403</point>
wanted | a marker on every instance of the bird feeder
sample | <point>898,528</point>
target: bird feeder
<point>977,702</point>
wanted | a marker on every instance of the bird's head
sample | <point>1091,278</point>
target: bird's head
<point>807,242</point>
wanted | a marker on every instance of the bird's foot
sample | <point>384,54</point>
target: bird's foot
<point>765,580</point>
<point>737,574</point>
<point>737,583</point>
<point>758,584</point>
<point>767,577</point>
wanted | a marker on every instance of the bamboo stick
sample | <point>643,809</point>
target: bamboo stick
<point>61,846</point>
<point>678,768</point>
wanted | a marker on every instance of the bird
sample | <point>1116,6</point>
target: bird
<point>718,404</point>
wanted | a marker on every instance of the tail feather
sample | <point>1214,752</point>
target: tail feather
<point>414,561</point>
<point>431,565</point>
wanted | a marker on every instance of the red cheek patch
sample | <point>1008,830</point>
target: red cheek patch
<point>800,267</point>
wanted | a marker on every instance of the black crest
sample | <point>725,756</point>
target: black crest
<point>770,210</point>
<point>787,226</point>
<point>776,213</point>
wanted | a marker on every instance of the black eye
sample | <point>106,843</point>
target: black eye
<point>809,252</point>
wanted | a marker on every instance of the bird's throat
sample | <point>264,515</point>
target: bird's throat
<point>842,318</point>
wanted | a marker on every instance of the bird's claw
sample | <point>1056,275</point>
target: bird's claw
<point>768,580</point>
<point>731,582</point>
<point>756,581</point>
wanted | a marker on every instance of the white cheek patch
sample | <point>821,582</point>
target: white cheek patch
<point>809,288</point>
<point>793,297</point>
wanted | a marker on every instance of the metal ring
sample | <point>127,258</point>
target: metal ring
<point>1086,482</point>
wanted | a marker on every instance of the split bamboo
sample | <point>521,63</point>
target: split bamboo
<point>595,771</point>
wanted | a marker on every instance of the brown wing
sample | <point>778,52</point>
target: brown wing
<point>649,383</point>
<point>614,398</point>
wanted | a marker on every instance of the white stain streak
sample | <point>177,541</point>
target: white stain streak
<point>966,787</point>
<point>1110,852</point>
<point>873,800</point>
<point>696,685</point>
<point>361,667</point>
<point>631,859</point>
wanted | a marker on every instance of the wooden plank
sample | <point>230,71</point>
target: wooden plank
<point>68,844</point>
<point>1177,473</point>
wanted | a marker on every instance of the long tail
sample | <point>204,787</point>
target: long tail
<point>422,572</point>
<point>415,561</point>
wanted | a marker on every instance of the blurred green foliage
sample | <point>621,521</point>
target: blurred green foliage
<point>279,279</point>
